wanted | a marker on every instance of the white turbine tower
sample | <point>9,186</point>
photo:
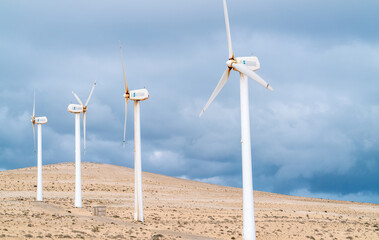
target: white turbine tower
<point>136,96</point>
<point>77,109</point>
<point>245,66</point>
<point>39,121</point>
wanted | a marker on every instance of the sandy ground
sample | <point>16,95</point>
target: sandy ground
<point>173,209</point>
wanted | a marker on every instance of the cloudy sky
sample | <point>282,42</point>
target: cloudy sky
<point>315,135</point>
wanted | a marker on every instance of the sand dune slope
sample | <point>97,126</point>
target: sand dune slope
<point>174,209</point>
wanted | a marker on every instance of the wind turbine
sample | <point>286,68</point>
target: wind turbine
<point>77,109</point>
<point>39,121</point>
<point>246,67</point>
<point>137,96</point>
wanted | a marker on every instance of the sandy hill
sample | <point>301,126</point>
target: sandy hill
<point>173,208</point>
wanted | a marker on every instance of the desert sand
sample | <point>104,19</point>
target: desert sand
<point>173,209</point>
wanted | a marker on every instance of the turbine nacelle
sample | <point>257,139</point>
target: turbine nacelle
<point>251,62</point>
<point>75,108</point>
<point>138,95</point>
<point>40,120</point>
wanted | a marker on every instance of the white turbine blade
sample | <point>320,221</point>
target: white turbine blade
<point>218,88</point>
<point>34,104</point>
<point>77,98</point>
<point>84,132</point>
<point>34,136</point>
<point>90,95</point>
<point>231,54</point>
<point>123,70</point>
<point>245,70</point>
<point>126,115</point>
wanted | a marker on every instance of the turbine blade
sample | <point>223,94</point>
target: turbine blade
<point>245,70</point>
<point>34,104</point>
<point>218,88</point>
<point>231,54</point>
<point>123,70</point>
<point>84,132</point>
<point>126,115</point>
<point>90,95</point>
<point>34,136</point>
<point>77,98</point>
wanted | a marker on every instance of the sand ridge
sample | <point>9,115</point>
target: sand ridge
<point>173,209</point>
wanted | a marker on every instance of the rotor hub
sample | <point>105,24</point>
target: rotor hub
<point>230,62</point>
